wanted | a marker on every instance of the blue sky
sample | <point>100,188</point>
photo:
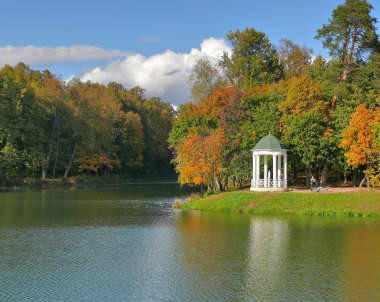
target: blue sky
<point>148,28</point>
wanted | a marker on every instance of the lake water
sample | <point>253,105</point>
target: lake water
<point>127,244</point>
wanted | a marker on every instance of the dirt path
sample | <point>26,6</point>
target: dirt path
<point>335,190</point>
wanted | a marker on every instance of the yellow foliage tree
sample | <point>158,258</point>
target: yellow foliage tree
<point>303,94</point>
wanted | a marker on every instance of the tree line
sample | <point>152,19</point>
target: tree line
<point>52,129</point>
<point>326,110</point>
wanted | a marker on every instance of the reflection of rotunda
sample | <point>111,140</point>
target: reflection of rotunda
<point>266,179</point>
<point>267,260</point>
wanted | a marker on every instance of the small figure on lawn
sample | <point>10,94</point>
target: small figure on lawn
<point>313,182</point>
<point>320,185</point>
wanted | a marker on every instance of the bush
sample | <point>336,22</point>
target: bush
<point>208,193</point>
<point>176,203</point>
<point>193,196</point>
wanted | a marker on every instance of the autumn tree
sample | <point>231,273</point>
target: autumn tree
<point>360,142</point>
<point>53,129</point>
<point>205,114</point>
<point>303,94</point>
<point>304,124</point>
<point>198,158</point>
<point>50,93</point>
<point>156,118</point>
<point>220,110</point>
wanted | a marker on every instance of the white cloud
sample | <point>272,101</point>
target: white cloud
<point>164,75</point>
<point>32,55</point>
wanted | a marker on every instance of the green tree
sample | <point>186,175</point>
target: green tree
<point>294,57</point>
<point>350,34</point>
<point>22,120</point>
<point>157,118</point>
<point>351,38</point>
<point>204,77</point>
<point>305,136</point>
<point>254,59</point>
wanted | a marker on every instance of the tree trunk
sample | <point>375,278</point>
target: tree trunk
<point>219,184</point>
<point>325,174</point>
<point>234,181</point>
<point>46,165</point>
<point>346,70</point>
<point>355,178</point>
<point>294,168</point>
<point>362,182</point>
<point>351,54</point>
<point>225,184</point>
<point>56,158</point>
<point>365,178</point>
<point>345,177</point>
<point>68,167</point>
<point>345,45</point>
<point>308,177</point>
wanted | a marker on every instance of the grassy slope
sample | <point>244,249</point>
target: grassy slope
<point>333,204</point>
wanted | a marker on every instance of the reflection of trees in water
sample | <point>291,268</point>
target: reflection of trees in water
<point>137,205</point>
<point>362,282</point>
<point>213,252</point>
<point>267,257</point>
<point>203,236</point>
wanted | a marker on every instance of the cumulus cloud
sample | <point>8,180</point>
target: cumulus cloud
<point>46,55</point>
<point>164,75</point>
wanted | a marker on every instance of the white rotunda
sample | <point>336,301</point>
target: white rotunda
<point>268,179</point>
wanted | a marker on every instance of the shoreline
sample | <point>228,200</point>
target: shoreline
<point>348,203</point>
<point>39,184</point>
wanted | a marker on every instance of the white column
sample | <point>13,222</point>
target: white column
<point>274,171</point>
<point>279,171</point>
<point>265,171</point>
<point>285,171</point>
<point>253,171</point>
<point>257,171</point>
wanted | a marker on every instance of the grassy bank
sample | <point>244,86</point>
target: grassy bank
<point>334,204</point>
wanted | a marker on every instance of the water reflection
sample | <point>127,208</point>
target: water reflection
<point>363,264</point>
<point>266,257</point>
<point>103,206</point>
<point>242,258</point>
<point>127,244</point>
<point>212,248</point>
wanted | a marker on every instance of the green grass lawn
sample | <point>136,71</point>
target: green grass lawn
<point>332,204</point>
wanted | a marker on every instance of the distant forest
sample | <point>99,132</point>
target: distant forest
<point>52,129</point>
<point>325,110</point>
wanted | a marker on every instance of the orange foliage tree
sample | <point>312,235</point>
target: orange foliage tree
<point>204,115</point>
<point>358,142</point>
<point>96,163</point>
<point>198,159</point>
